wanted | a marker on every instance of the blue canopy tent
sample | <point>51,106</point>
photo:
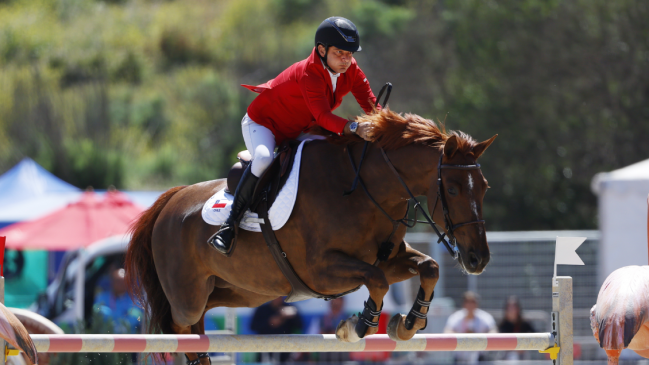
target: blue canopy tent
<point>27,192</point>
<point>28,180</point>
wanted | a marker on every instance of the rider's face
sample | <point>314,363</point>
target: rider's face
<point>339,60</point>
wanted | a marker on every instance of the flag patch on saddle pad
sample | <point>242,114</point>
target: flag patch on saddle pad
<point>217,208</point>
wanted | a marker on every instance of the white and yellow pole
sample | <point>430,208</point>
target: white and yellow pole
<point>3,344</point>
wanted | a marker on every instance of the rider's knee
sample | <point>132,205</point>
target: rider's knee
<point>262,160</point>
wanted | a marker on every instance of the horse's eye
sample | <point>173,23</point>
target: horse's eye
<point>452,191</point>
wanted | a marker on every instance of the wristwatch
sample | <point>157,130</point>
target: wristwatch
<point>353,127</point>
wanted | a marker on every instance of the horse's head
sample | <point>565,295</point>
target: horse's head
<point>462,190</point>
<point>463,186</point>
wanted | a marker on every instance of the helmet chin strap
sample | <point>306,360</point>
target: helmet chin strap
<point>324,59</point>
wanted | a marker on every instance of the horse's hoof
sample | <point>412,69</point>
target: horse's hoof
<point>393,326</point>
<point>346,330</point>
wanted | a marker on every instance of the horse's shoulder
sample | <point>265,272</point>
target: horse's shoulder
<point>320,148</point>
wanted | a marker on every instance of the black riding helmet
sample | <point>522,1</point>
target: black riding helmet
<point>338,32</point>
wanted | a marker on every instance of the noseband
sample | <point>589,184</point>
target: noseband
<point>451,243</point>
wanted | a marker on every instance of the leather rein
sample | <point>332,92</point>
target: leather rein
<point>386,247</point>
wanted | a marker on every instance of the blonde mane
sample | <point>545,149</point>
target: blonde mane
<point>393,130</point>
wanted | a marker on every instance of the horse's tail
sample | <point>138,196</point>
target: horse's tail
<point>141,276</point>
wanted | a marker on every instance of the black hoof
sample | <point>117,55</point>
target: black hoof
<point>198,361</point>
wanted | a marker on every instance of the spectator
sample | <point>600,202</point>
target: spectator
<point>116,304</point>
<point>336,313</point>
<point>513,322</point>
<point>470,319</point>
<point>327,325</point>
<point>277,317</point>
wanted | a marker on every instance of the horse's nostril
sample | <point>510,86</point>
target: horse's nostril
<point>474,261</point>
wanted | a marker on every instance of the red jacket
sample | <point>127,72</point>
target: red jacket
<point>302,95</point>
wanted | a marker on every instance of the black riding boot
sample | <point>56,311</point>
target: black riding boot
<point>224,240</point>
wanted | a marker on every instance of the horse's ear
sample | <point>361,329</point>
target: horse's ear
<point>479,149</point>
<point>450,147</point>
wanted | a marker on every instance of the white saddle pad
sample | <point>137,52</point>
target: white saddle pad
<point>217,208</point>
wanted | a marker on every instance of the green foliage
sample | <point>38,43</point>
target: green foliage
<point>129,70</point>
<point>379,22</point>
<point>145,94</point>
<point>289,11</point>
<point>91,165</point>
<point>179,48</point>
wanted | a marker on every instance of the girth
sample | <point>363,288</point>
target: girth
<point>299,290</point>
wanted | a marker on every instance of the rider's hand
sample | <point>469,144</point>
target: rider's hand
<point>365,131</point>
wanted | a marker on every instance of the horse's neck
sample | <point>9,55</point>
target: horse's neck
<point>412,165</point>
<point>331,163</point>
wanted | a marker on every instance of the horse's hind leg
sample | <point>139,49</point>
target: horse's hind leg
<point>234,297</point>
<point>188,299</point>
<point>197,328</point>
<point>407,263</point>
<point>219,297</point>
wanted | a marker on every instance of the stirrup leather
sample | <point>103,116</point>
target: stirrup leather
<point>224,227</point>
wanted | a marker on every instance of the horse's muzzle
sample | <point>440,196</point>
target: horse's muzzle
<point>475,261</point>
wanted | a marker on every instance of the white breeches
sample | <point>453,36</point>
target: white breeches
<point>260,142</point>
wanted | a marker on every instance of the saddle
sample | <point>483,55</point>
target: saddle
<point>265,194</point>
<point>273,178</point>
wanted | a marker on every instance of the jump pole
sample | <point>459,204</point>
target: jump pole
<point>558,342</point>
<point>3,344</point>
<point>561,319</point>
<point>290,343</point>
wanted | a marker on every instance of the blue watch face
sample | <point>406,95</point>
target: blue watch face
<point>353,127</point>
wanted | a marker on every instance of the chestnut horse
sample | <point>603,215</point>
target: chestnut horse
<point>332,241</point>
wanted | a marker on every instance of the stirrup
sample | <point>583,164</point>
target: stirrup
<point>227,250</point>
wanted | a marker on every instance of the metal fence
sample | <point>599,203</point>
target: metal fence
<point>521,264</point>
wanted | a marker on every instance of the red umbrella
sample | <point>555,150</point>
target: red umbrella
<point>77,225</point>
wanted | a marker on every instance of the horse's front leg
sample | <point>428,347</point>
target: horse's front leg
<point>407,263</point>
<point>345,272</point>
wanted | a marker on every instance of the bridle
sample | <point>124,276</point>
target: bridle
<point>386,248</point>
<point>450,227</point>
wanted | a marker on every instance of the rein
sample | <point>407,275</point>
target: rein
<point>386,247</point>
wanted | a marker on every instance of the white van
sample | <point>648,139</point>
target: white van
<point>70,296</point>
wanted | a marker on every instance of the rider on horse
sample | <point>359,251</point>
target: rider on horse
<point>305,93</point>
